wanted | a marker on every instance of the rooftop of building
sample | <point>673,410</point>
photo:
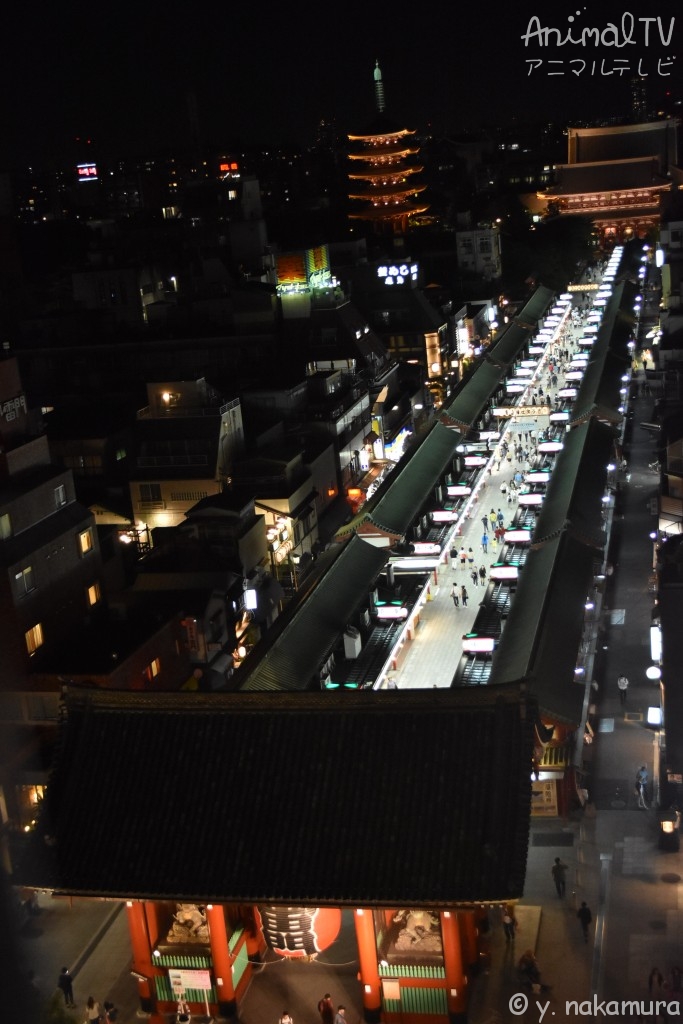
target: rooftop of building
<point>357,799</point>
<point>607,176</point>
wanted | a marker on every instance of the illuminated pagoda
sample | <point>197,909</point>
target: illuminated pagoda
<point>383,183</point>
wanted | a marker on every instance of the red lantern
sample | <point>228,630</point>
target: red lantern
<point>300,931</point>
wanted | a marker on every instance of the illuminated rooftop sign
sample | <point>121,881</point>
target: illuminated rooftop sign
<point>397,273</point>
<point>87,172</point>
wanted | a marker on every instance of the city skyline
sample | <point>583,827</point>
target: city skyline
<point>136,80</point>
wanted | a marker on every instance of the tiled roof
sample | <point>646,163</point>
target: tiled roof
<point>607,176</point>
<point>303,636</point>
<point>353,798</point>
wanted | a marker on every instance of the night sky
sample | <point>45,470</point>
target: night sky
<point>121,73</point>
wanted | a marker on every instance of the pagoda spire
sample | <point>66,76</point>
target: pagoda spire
<point>379,88</point>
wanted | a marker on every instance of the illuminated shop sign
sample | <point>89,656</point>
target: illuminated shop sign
<point>12,407</point>
<point>472,644</point>
<point>550,446</point>
<point>444,515</point>
<point>517,536</point>
<point>423,547</point>
<point>518,411</point>
<point>532,498</point>
<point>503,572</point>
<point>391,611</point>
<point>458,490</point>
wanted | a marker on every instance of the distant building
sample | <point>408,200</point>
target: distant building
<point>479,251</point>
<point>614,175</point>
<point>187,438</point>
<point>48,541</point>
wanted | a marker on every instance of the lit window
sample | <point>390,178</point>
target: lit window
<point>94,594</point>
<point>152,670</point>
<point>34,638</point>
<point>24,580</point>
<point>60,496</point>
<point>85,541</point>
<point>5,526</point>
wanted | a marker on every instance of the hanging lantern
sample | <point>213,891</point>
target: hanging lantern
<point>300,931</point>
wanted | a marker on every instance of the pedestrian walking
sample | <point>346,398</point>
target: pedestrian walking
<point>509,923</point>
<point>492,518</point>
<point>340,1015</point>
<point>485,542</point>
<point>559,873</point>
<point>326,1009</point>
<point>470,556</point>
<point>285,1018</point>
<point>482,574</point>
<point>655,980</point>
<point>641,783</point>
<point>622,683</point>
<point>585,917</point>
<point>455,595</point>
<point>464,595</point>
<point>485,523</point>
<point>463,558</point>
<point>500,518</point>
<point>93,1010</point>
<point>474,576</point>
<point>65,983</point>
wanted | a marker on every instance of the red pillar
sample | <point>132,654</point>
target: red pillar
<point>468,938</point>
<point>222,961</point>
<point>142,954</point>
<point>369,971</point>
<point>456,975</point>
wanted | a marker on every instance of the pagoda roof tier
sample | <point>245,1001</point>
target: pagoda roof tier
<point>384,174</point>
<point>388,192</point>
<point>382,128</point>
<point>389,212</point>
<point>384,155</point>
